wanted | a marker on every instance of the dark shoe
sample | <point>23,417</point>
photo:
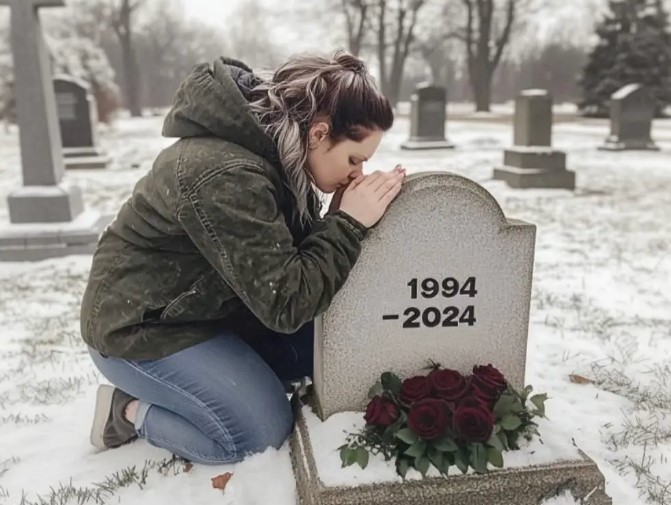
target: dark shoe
<point>110,427</point>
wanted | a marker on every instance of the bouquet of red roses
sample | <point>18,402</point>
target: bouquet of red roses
<point>444,419</point>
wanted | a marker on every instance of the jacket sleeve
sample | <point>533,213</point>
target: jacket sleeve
<point>236,223</point>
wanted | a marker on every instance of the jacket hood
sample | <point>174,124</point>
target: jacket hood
<point>212,101</point>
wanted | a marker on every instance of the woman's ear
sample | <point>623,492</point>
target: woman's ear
<point>318,132</point>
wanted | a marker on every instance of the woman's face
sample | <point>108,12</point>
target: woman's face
<point>334,165</point>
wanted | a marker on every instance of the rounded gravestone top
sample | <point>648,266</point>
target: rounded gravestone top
<point>417,185</point>
<point>72,80</point>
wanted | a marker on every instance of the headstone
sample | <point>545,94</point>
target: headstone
<point>427,119</point>
<point>438,277</point>
<point>78,118</point>
<point>632,110</point>
<point>46,216</point>
<point>532,162</point>
<point>444,276</point>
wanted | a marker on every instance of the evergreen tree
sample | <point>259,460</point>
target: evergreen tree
<point>634,47</point>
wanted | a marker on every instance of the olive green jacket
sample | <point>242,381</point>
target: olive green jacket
<point>210,241</point>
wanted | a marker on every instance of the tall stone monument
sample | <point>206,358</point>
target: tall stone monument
<point>78,119</point>
<point>47,217</point>
<point>632,110</point>
<point>532,162</point>
<point>445,276</point>
<point>427,119</point>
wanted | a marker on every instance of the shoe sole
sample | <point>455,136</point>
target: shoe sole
<point>101,415</point>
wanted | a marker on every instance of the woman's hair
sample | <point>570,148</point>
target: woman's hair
<point>307,88</point>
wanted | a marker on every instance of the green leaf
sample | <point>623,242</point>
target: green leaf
<point>348,456</point>
<point>503,405</point>
<point>495,457</point>
<point>391,382</point>
<point>402,465</point>
<point>417,449</point>
<point>495,442</point>
<point>343,455</point>
<point>408,436</point>
<point>362,457</point>
<point>539,402</point>
<point>422,465</point>
<point>445,466</point>
<point>511,422</point>
<point>479,458</point>
<point>461,460</point>
<point>527,391</point>
<point>445,445</point>
<point>375,390</point>
<point>436,457</point>
<point>503,438</point>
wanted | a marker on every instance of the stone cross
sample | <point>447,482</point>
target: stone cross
<point>444,277</point>
<point>41,155</point>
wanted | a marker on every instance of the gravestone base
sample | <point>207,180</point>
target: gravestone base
<point>515,486</point>
<point>38,241</point>
<point>85,158</point>
<point>45,204</point>
<point>615,144</point>
<point>416,144</point>
<point>535,167</point>
<point>528,178</point>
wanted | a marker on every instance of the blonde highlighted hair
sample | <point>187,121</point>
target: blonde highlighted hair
<point>308,87</point>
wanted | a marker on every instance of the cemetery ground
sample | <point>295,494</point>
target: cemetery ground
<point>599,334</point>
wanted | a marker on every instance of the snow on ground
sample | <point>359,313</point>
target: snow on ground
<point>601,308</point>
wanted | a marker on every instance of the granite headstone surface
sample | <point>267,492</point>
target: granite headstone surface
<point>444,276</point>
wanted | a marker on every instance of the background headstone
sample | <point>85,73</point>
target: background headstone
<point>46,216</point>
<point>632,110</point>
<point>444,276</point>
<point>532,162</point>
<point>78,119</point>
<point>427,119</point>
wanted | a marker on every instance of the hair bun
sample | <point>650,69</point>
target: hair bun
<point>349,62</point>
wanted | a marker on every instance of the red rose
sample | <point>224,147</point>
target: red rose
<point>414,389</point>
<point>487,383</point>
<point>381,411</point>
<point>449,385</point>
<point>473,423</point>
<point>429,418</point>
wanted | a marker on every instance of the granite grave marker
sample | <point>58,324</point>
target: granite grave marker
<point>78,118</point>
<point>532,162</point>
<point>632,110</point>
<point>427,119</point>
<point>47,217</point>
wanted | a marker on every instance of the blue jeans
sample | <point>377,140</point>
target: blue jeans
<point>218,401</point>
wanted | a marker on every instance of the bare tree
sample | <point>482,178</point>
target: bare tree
<point>486,34</point>
<point>122,23</point>
<point>356,20</point>
<point>400,26</point>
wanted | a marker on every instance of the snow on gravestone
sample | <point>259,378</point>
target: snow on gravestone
<point>445,277</point>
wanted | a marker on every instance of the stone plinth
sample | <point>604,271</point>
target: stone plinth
<point>514,486</point>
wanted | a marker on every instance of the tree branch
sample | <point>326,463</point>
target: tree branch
<point>503,40</point>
